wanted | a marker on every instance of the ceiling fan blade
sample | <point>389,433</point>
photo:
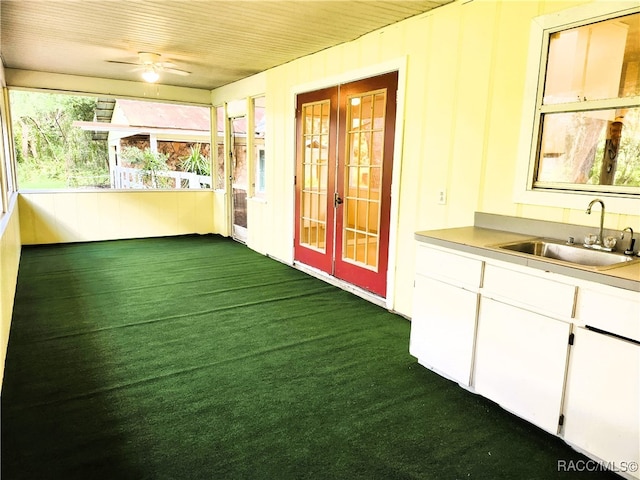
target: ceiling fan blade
<point>176,71</point>
<point>123,63</point>
<point>168,65</point>
<point>147,61</point>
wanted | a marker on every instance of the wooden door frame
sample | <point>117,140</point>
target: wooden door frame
<point>399,65</point>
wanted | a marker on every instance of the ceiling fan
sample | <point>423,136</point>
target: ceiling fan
<point>151,65</point>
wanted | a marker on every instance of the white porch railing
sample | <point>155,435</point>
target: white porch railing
<point>134,178</point>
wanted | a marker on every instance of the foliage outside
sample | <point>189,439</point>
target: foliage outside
<point>196,162</point>
<point>573,148</point>
<point>628,162</point>
<point>50,151</point>
<point>151,165</point>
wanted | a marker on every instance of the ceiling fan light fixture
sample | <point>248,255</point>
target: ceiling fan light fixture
<point>150,75</point>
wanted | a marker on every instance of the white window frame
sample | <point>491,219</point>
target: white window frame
<point>541,28</point>
<point>7,170</point>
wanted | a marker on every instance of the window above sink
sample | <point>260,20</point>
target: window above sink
<point>581,117</point>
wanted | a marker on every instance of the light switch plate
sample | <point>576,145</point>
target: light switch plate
<point>442,196</point>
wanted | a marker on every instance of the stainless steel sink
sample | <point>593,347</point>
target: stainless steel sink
<point>575,254</point>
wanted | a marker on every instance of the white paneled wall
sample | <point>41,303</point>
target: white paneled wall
<point>59,217</point>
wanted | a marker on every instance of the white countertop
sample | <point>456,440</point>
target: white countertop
<point>482,241</point>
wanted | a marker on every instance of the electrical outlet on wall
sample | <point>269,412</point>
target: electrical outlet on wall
<point>442,196</point>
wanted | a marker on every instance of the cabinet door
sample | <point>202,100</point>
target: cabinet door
<point>602,403</point>
<point>520,362</point>
<point>443,328</point>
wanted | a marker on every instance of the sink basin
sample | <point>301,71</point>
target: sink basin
<point>575,254</point>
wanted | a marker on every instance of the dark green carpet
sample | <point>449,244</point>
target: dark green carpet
<point>196,358</point>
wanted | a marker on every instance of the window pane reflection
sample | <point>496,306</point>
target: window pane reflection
<point>594,148</point>
<point>594,62</point>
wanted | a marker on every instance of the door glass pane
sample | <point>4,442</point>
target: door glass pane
<point>363,173</point>
<point>313,200</point>
<point>350,244</point>
<point>377,139</point>
<point>239,168</point>
<point>360,247</point>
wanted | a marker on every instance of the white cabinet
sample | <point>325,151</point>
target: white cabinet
<point>444,312</point>
<point>520,361</point>
<point>602,400</point>
<point>503,330</point>
<point>443,328</point>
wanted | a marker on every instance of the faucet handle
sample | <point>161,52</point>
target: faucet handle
<point>590,239</point>
<point>609,242</point>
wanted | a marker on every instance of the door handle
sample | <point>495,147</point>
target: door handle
<point>337,200</point>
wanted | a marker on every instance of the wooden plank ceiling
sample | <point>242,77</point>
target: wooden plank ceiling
<point>217,41</point>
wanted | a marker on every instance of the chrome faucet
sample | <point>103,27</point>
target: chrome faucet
<point>597,200</point>
<point>632,241</point>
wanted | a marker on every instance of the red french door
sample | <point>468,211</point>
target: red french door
<point>344,160</point>
<point>316,136</point>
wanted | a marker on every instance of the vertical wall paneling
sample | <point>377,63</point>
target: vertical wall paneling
<point>10,247</point>
<point>60,217</point>
<point>466,66</point>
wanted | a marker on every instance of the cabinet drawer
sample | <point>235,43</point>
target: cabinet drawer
<point>611,310</point>
<point>521,289</point>
<point>449,267</point>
